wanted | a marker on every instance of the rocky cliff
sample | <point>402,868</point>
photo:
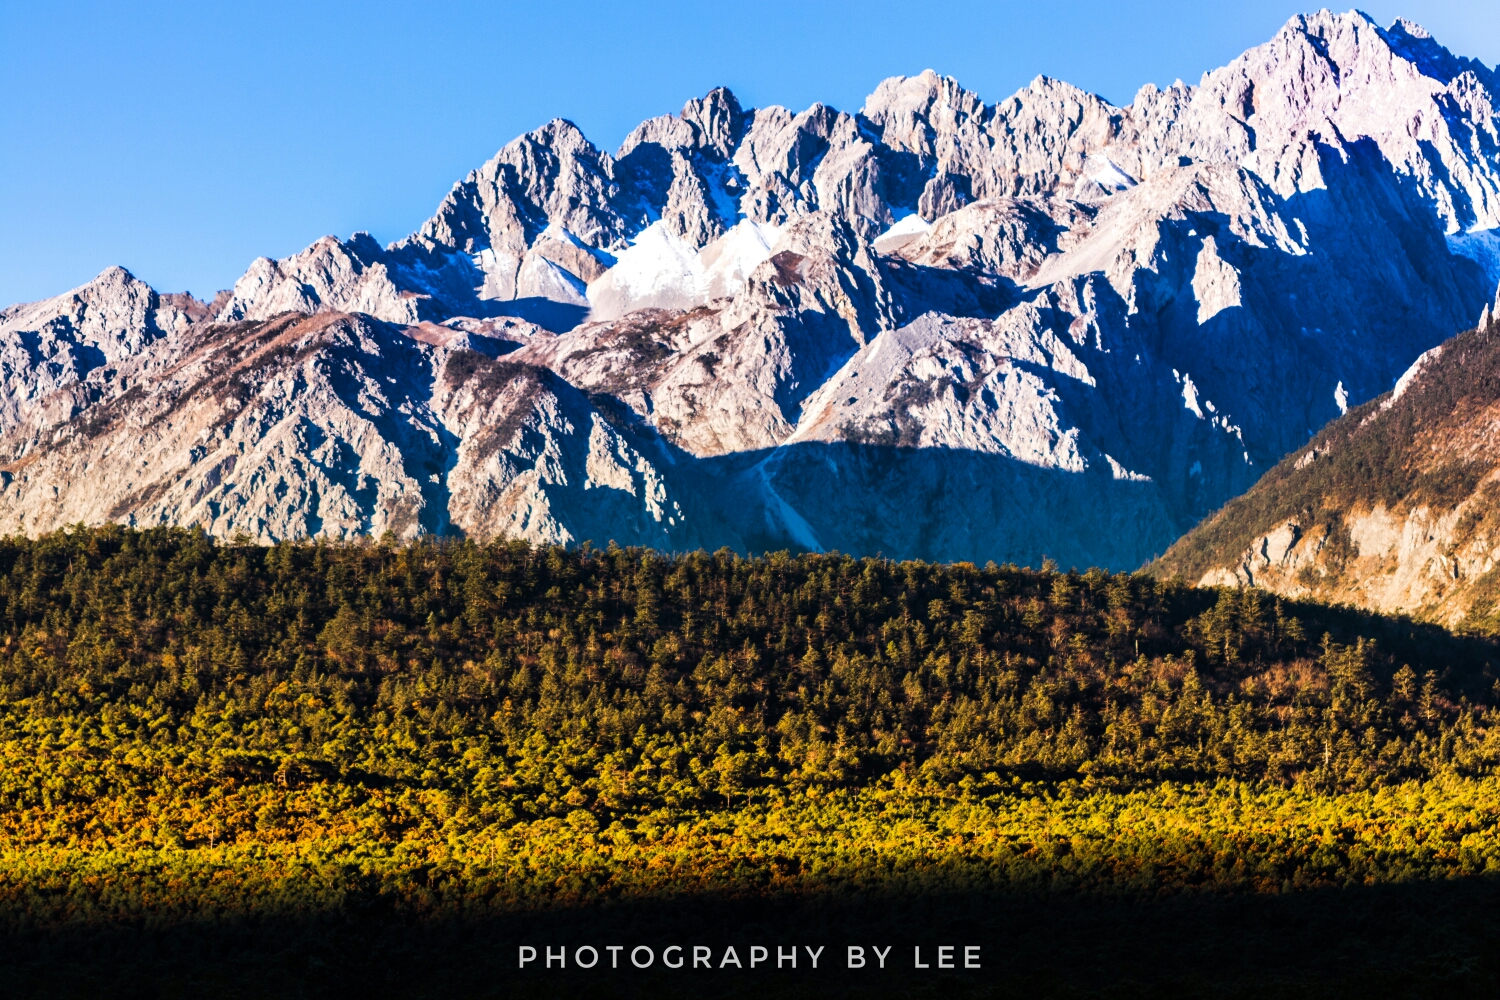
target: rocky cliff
<point>933,327</point>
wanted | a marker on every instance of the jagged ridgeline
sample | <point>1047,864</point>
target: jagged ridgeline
<point>215,754</point>
<point>939,326</point>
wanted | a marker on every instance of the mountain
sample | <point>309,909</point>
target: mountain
<point>933,328</point>
<point>1392,507</point>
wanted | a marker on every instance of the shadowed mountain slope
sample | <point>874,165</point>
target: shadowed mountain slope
<point>1394,507</point>
<point>934,327</point>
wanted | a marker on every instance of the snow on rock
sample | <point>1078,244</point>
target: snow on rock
<point>939,327</point>
<point>660,270</point>
<point>1100,178</point>
<point>539,277</point>
<point>728,261</point>
<point>902,232</point>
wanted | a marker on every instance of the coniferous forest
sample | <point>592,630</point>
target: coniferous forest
<point>319,769</point>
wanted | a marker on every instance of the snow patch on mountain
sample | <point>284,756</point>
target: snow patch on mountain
<point>660,270</point>
<point>939,327</point>
<point>728,261</point>
<point>901,232</point>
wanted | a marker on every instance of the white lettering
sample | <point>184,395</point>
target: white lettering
<point>757,955</point>
<point>528,954</point>
<point>650,956</point>
<point>945,956</point>
<point>856,957</point>
<point>614,954</point>
<point>667,961</point>
<point>730,955</point>
<point>578,960</point>
<point>971,961</point>
<point>918,960</point>
<point>813,954</point>
<point>881,954</point>
<point>703,953</point>
<point>782,956</point>
<point>561,956</point>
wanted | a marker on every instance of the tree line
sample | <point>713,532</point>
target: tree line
<point>516,682</point>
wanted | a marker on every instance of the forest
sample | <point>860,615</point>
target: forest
<point>245,764</point>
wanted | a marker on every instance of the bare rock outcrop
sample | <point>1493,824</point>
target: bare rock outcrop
<point>936,326</point>
<point>50,347</point>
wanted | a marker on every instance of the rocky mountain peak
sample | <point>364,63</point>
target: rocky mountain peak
<point>938,327</point>
<point>718,119</point>
<point>49,348</point>
<point>909,112</point>
<point>1410,41</point>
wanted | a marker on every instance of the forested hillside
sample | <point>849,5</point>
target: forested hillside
<point>193,736</point>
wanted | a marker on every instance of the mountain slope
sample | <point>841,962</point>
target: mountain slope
<point>1393,507</point>
<point>339,425</point>
<point>934,327</point>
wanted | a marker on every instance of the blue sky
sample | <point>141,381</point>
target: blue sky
<point>184,140</point>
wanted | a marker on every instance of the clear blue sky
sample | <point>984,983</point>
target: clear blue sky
<point>182,140</point>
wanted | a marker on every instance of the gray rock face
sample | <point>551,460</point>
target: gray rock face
<point>536,459</point>
<point>936,327</point>
<point>294,427</point>
<point>49,350</point>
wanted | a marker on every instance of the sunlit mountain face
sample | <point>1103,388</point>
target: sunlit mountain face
<point>934,327</point>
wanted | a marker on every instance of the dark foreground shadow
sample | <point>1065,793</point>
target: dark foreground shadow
<point>1411,940</point>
